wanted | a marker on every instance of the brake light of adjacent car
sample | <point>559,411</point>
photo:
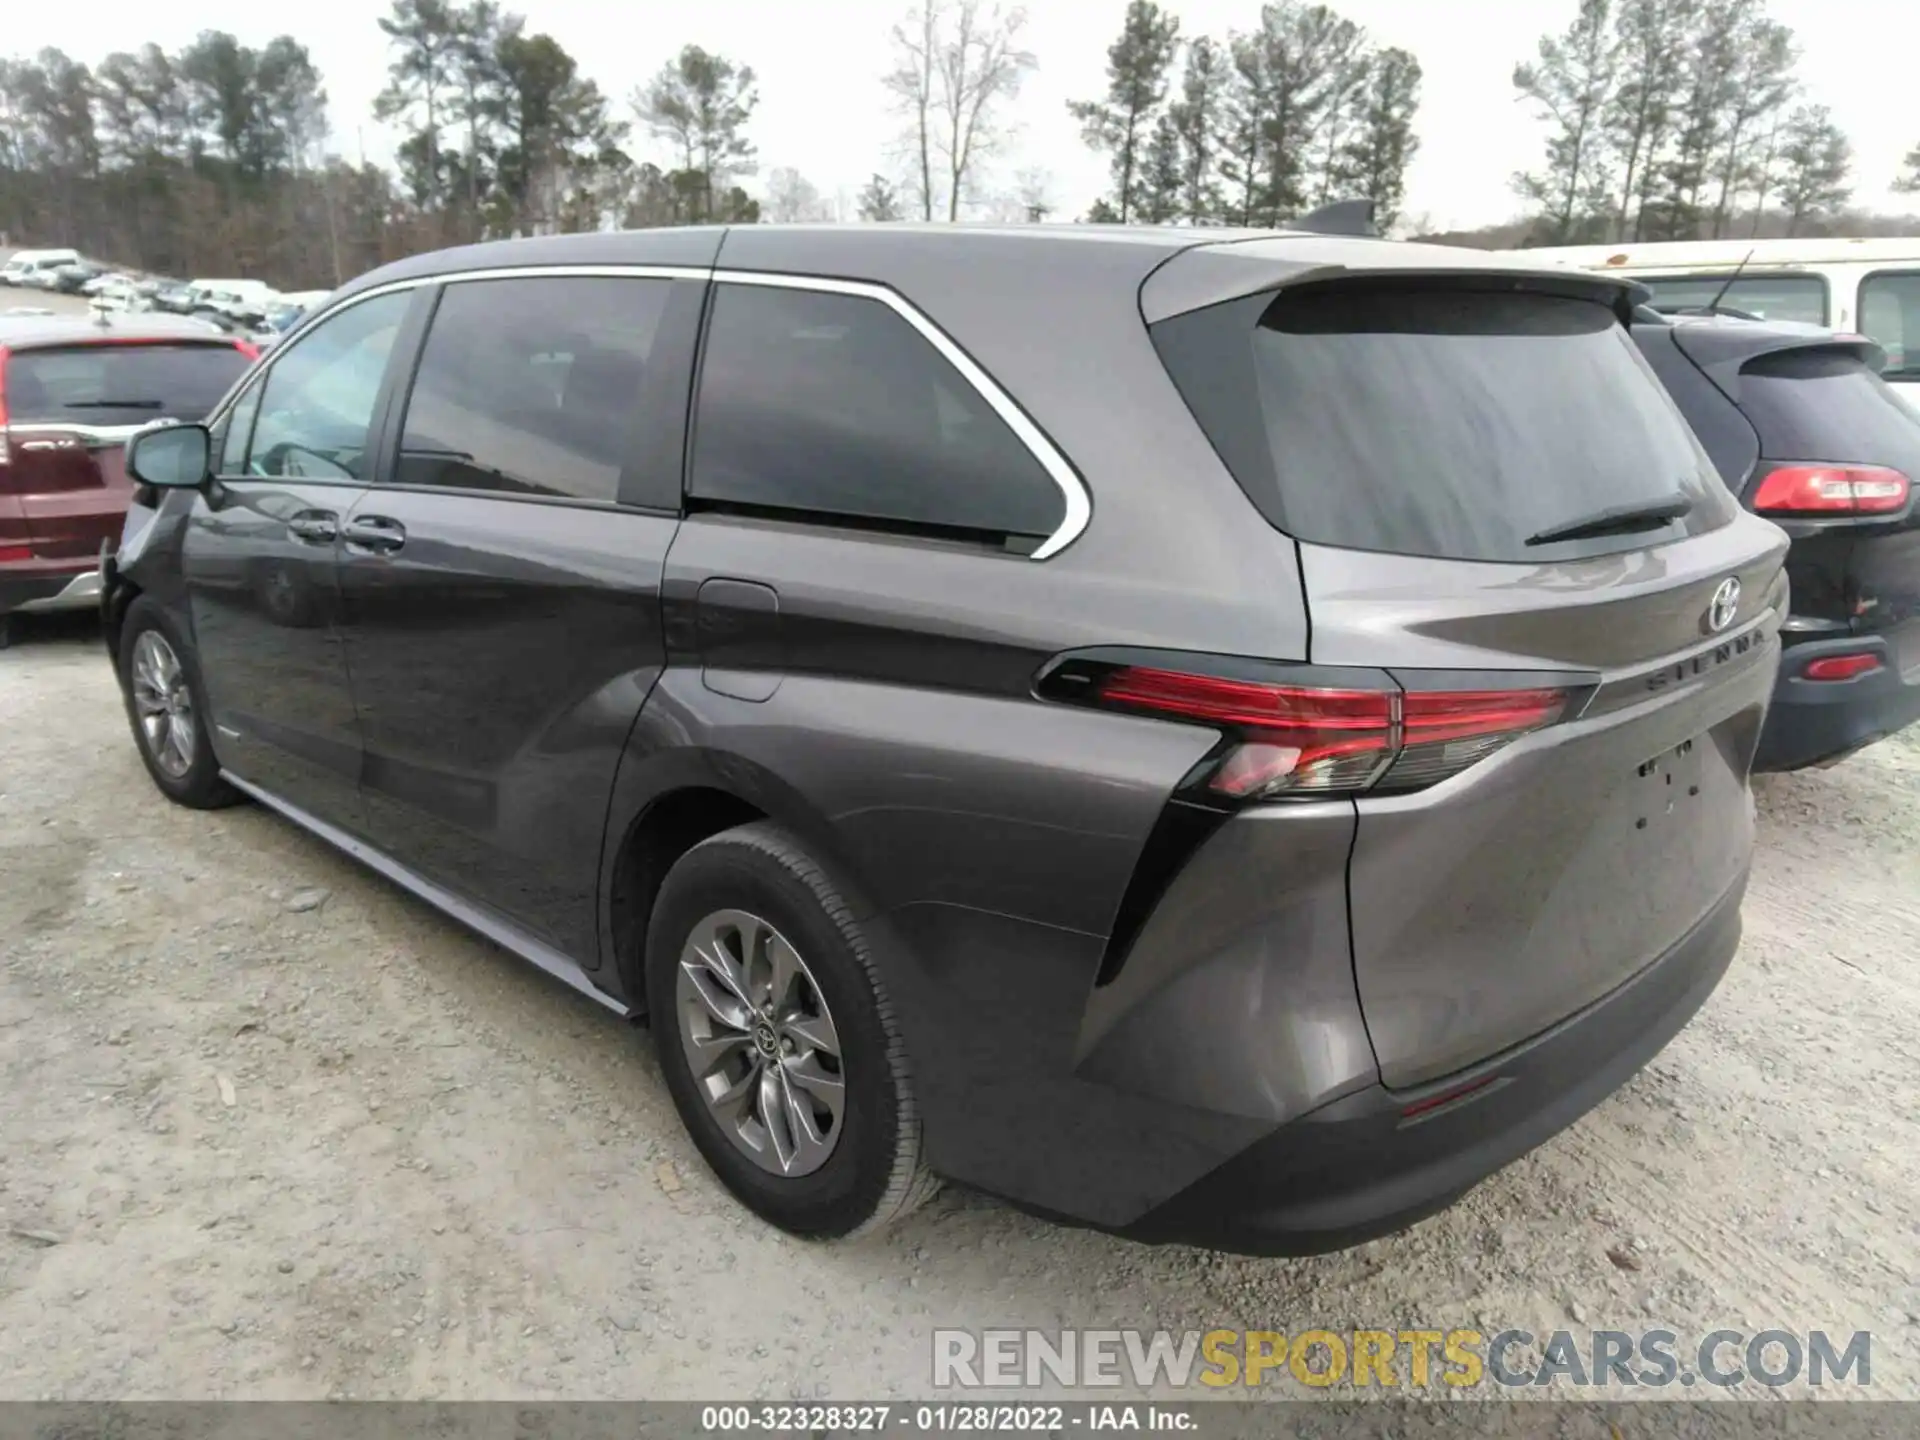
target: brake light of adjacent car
<point>1828,490</point>
<point>1313,740</point>
<point>248,349</point>
<point>1840,667</point>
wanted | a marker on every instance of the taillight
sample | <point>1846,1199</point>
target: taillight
<point>1314,740</point>
<point>11,553</point>
<point>247,348</point>
<point>1822,490</point>
<point>1840,667</point>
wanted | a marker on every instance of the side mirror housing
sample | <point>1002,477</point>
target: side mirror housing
<point>171,456</point>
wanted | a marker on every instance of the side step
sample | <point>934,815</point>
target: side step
<point>484,922</point>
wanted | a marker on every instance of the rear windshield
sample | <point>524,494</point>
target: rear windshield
<point>119,384</point>
<point>1800,298</point>
<point>1828,405</point>
<point>1443,422</point>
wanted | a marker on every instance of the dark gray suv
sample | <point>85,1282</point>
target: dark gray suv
<point>1215,736</point>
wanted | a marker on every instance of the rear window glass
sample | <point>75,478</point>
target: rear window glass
<point>119,384</point>
<point>1800,298</point>
<point>1827,405</point>
<point>1890,313</point>
<point>1443,422</point>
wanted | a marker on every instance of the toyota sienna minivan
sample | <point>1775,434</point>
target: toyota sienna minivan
<point>1222,737</point>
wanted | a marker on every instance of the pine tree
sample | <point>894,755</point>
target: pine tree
<point>1195,117</point>
<point>1137,66</point>
<point>1815,157</point>
<point>1376,157</point>
<point>1570,84</point>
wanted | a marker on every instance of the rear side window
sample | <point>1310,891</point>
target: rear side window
<point>1800,298</point>
<point>531,386</point>
<point>1890,314</point>
<point>1828,405</point>
<point>1439,421</point>
<point>120,384</point>
<point>834,406</point>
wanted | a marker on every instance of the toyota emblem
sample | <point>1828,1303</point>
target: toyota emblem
<point>1725,605</point>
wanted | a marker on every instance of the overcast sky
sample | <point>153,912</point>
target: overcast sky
<point>822,109</point>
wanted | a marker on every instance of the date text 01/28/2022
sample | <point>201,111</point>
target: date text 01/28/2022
<point>980,1419</point>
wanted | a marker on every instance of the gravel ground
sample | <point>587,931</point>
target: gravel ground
<point>269,1128</point>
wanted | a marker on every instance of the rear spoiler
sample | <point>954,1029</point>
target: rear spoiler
<point>1221,272</point>
<point>1722,347</point>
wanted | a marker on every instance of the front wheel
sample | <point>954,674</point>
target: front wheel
<point>167,708</point>
<point>777,1040</point>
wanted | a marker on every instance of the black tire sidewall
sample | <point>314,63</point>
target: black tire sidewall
<point>839,1197</point>
<point>202,785</point>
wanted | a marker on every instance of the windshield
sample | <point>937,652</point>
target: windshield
<point>119,384</point>
<point>1446,421</point>
<point>1799,298</point>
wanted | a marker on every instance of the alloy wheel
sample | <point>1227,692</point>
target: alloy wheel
<point>164,704</point>
<point>760,1042</point>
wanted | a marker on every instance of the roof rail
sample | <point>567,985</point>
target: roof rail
<point>1340,217</point>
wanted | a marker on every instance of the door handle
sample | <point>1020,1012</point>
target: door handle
<point>374,535</point>
<point>316,527</point>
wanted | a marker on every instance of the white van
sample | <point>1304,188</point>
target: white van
<point>35,267</point>
<point>1870,286</point>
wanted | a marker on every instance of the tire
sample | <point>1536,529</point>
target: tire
<point>871,1173</point>
<point>197,783</point>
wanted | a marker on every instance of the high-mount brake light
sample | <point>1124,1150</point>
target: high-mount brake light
<point>1823,490</point>
<point>1315,740</point>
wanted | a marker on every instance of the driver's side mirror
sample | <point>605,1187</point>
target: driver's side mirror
<point>172,457</point>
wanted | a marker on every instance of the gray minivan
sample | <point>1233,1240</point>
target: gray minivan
<point>1224,737</point>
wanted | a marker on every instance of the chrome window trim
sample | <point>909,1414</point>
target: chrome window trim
<point>91,434</point>
<point>1073,491</point>
<point>1079,504</point>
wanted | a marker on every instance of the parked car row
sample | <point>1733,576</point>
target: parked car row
<point>72,390</point>
<point>1242,790</point>
<point>240,306</point>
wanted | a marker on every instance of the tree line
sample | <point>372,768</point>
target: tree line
<point>1299,110</point>
<point>1680,120</point>
<point>1665,119</point>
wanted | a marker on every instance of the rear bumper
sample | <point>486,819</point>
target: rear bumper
<point>40,590</point>
<point>1359,1168</point>
<point>1815,722</point>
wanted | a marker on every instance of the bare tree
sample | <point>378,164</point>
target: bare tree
<point>792,198</point>
<point>957,62</point>
<point>916,46</point>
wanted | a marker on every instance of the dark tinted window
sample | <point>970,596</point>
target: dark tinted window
<point>531,386</point>
<point>1827,405</point>
<point>316,408</point>
<point>1439,422</point>
<point>120,384</point>
<point>834,405</point>
<point>1801,298</point>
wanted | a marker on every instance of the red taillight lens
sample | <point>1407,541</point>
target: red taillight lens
<point>247,348</point>
<point>11,553</point>
<point>1832,490</point>
<point>1840,667</point>
<point>1318,740</point>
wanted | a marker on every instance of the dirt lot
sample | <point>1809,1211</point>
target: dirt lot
<point>255,1146</point>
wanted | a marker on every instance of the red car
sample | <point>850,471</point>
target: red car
<point>72,389</point>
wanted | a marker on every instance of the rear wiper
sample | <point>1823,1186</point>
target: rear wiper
<point>113,404</point>
<point>1618,520</point>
